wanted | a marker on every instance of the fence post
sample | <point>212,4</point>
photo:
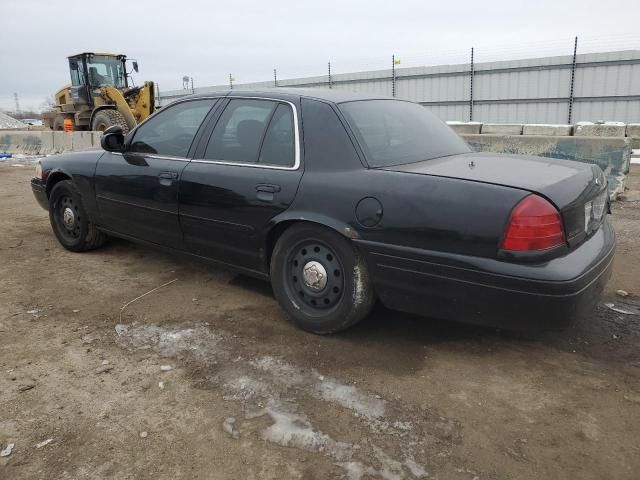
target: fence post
<point>393,75</point>
<point>330,81</point>
<point>573,78</point>
<point>275,78</point>
<point>230,82</point>
<point>471,90</point>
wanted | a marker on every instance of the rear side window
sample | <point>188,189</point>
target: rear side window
<point>393,132</point>
<point>171,131</point>
<point>278,147</point>
<point>239,132</point>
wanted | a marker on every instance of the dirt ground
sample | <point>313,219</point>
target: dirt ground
<point>246,395</point>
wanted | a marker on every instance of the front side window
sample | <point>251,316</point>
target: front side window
<point>106,70</point>
<point>394,132</point>
<point>171,131</point>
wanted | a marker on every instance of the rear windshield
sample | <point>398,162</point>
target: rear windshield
<point>393,132</point>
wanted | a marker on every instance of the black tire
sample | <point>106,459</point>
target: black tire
<point>58,123</point>
<point>347,294</point>
<point>106,118</point>
<point>80,234</point>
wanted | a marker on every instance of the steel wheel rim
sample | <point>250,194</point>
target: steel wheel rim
<point>68,218</point>
<point>323,294</point>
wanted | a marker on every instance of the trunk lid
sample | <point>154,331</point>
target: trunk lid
<point>569,185</point>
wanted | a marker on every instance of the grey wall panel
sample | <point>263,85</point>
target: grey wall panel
<point>621,111</point>
<point>532,90</point>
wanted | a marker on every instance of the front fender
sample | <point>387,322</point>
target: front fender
<point>53,176</point>
<point>80,168</point>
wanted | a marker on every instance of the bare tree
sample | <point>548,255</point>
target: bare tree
<point>48,104</point>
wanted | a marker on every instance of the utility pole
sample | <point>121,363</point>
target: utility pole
<point>230,82</point>
<point>330,81</point>
<point>275,78</point>
<point>573,78</point>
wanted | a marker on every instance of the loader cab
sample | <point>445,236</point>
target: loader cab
<point>90,71</point>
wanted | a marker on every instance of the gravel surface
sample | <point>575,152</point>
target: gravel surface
<point>205,379</point>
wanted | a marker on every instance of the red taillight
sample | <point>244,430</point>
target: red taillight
<point>535,224</point>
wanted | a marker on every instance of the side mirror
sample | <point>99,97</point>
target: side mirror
<point>135,66</point>
<point>113,139</point>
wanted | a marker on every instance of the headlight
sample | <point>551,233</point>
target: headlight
<point>39,170</point>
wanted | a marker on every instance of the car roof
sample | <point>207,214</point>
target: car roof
<point>327,94</point>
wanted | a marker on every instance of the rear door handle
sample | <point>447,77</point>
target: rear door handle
<point>167,178</point>
<point>265,192</point>
<point>267,188</point>
<point>168,175</point>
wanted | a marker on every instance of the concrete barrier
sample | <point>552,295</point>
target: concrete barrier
<point>45,142</point>
<point>633,132</point>
<point>611,154</point>
<point>466,128</point>
<point>501,129</point>
<point>548,130</point>
<point>588,129</point>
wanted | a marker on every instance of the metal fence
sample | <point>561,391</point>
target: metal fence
<point>551,90</point>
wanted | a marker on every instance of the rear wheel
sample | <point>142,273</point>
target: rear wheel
<point>69,219</point>
<point>106,118</point>
<point>320,279</point>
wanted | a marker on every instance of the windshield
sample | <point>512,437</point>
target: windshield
<point>393,132</point>
<point>104,70</point>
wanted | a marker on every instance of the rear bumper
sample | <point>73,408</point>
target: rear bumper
<point>40,192</point>
<point>492,292</point>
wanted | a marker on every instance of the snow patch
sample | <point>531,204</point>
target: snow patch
<point>9,122</point>
<point>390,469</point>
<point>245,388</point>
<point>347,396</point>
<point>198,341</point>
<point>291,429</point>
<point>269,387</point>
<point>351,398</point>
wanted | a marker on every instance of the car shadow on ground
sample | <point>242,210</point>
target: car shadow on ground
<point>603,333</point>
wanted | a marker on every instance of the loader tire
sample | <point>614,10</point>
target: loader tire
<point>106,118</point>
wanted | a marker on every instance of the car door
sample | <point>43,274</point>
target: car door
<point>245,173</point>
<point>137,191</point>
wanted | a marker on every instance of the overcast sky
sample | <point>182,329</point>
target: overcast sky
<point>207,40</point>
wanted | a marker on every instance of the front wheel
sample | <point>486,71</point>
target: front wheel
<point>70,222</point>
<point>320,279</point>
<point>106,118</point>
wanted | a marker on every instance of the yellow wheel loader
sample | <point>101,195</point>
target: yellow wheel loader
<point>100,95</point>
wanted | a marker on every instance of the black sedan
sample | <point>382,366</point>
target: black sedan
<point>340,200</point>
